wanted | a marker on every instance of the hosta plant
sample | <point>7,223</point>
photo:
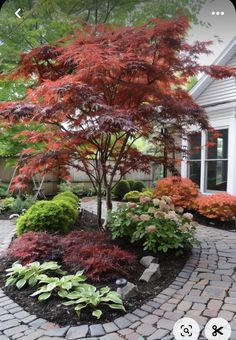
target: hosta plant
<point>87,295</point>
<point>157,223</point>
<point>30,274</point>
<point>60,286</point>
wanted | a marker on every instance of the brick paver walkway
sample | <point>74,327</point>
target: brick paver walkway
<point>90,204</point>
<point>205,288</point>
<point>7,230</point>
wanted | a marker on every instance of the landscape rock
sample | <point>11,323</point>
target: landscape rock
<point>129,291</point>
<point>147,260</point>
<point>151,273</point>
<point>13,216</point>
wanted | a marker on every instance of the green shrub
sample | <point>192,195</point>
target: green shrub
<point>69,210</point>
<point>131,184</point>
<point>68,197</point>
<point>43,216</point>
<point>5,204</point>
<point>121,189</point>
<point>139,186</point>
<point>154,222</point>
<point>4,191</point>
<point>147,193</point>
<point>68,194</point>
<point>19,204</point>
<point>132,196</point>
<point>79,190</point>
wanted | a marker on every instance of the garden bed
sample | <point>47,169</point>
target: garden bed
<point>213,222</point>
<point>54,311</point>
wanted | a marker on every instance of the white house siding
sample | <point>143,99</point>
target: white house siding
<point>218,97</point>
<point>225,117</point>
<point>219,91</point>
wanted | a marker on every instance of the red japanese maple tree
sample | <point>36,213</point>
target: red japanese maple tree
<point>98,92</point>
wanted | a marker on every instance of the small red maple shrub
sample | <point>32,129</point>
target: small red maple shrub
<point>35,246</point>
<point>92,251</point>
<point>182,191</point>
<point>219,206</point>
<point>95,253</point>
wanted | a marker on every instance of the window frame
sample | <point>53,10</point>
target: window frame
<point>204,161</point>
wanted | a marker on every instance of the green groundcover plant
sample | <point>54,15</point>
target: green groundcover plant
<point>157,223</point>
<point>70,287</point>
<point>30,274</point>
<point>86,295</point>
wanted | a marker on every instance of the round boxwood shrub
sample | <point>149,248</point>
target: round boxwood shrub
<point>147,193</point>
<point>139,186</point>
<point>68,197</point>
<point>69,211</point>
<point>68,194</point>
<point>131,184</point>
<point>132,196</point>
<point>43,216</point>
<point>121,189</point>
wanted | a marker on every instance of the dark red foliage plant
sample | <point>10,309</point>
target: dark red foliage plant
<point>92,251</point>
<point>35,246</point>
<point>95,253</point>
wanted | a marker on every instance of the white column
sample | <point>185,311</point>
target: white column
<point>231,184</point>
<point>203,157</point>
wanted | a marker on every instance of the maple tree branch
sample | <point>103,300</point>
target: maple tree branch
<point>118,159</point>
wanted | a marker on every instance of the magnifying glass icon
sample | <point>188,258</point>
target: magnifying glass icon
<point>186,330</point>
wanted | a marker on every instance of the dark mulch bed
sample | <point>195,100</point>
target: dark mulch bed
<point>211,222</point>
<point>54,311</point>
<point>5,215</point>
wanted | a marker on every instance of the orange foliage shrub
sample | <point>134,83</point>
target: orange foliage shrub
<point>220,206</point>
<point>182,191</point>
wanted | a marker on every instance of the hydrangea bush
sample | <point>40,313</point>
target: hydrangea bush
<point>157,223</point>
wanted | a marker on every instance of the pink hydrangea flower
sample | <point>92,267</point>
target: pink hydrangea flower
<point>159,214</point>
<point>151,229</point>
<point>179,210</point>
<point>135,218</point>
<point>156,202</point>
<point>164,206</point>
<point>152,210</point>
<point>144,217</point>
<point>144,199</point>
<point>188,216</point>
<point>167,199</point>
<point>132,205</point>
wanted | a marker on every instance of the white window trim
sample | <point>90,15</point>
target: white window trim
<point>184,165</point>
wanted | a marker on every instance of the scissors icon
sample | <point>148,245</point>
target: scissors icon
<point>217,330</point>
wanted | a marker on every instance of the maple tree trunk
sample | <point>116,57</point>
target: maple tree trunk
<point>109,198</point>
<point>99,206</point>
<point>108,204</point>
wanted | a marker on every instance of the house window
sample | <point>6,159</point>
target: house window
<point>208,165</point>
<point>216,163</point>
<point>194,163</point>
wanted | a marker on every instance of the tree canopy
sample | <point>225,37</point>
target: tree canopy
<point>97,92</point>
<point>46,21</point>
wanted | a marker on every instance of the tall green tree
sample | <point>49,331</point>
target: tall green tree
<point>45,21</point>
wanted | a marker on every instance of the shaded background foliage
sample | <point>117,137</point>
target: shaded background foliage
<point>45,21</point>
